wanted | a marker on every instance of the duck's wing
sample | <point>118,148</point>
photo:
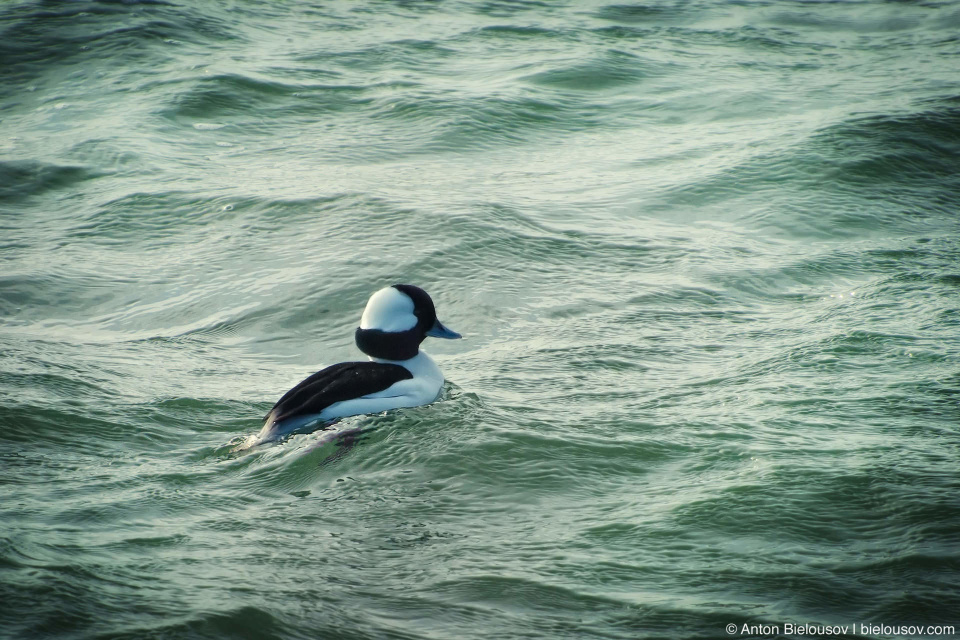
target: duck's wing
<point>344,381</point>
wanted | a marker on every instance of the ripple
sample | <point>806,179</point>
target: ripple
<point>616,69</point>
<point>23,180</point>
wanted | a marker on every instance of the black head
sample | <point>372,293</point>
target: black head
<point>396,320</point>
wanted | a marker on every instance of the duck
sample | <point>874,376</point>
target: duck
<point>397,374</point>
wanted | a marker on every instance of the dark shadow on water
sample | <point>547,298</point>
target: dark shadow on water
<point>344,442</point>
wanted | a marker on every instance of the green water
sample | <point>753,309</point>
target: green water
<point>705,256</point>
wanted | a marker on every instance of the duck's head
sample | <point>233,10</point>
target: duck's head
<point>396,320</point>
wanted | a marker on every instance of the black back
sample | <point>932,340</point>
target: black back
<point>344,381</point>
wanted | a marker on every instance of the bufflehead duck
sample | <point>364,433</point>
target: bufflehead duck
<point>394,323</point>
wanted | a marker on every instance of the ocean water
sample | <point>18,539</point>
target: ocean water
<point>705,255</point>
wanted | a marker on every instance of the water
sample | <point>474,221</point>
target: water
<point>705,254</point>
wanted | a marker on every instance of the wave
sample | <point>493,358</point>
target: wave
<point>24,179</point>
<point>831,183</point>
<point>61,34</point>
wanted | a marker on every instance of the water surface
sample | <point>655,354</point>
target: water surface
<point>705,254</point>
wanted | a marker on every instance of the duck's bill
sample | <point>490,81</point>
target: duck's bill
<point>440,331</point>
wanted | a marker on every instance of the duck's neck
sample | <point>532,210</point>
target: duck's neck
<point>420,365</point>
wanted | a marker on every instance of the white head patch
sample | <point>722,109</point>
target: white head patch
<point>389,310</point>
